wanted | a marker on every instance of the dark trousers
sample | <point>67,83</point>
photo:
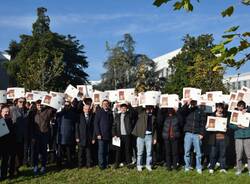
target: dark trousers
<point>103,151</point>
<point>218,150</point>
<point>22,152</point>
<point>85,155</point>
<point>65,150</point>
<point>124,151</point>
<point>39,146</point>
<point>8,161</point>
<point>171,152</point>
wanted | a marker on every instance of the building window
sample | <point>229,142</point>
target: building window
<point>245,83</point>
<point>239,85</point>
<point>233,86</point>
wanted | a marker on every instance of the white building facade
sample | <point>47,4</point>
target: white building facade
<point>162,63</point>
<point>236,82</point>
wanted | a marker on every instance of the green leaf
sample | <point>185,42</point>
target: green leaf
<point>158,3</point>
<point>228,40</point>
<point>178,5</point>
<point>244,45</point>
<point>232,29</point>
<point>232,52</point>
<point>218,48</point>
<point>188,6</point>
<point>246,2</point>
<point>228,12</point>
<point>229,36</point>
<point>246,34</point>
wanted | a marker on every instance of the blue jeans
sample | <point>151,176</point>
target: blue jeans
<point>103,148</point>
<point>219,149</point>
<point>141,142</point>
<point>189,140</point>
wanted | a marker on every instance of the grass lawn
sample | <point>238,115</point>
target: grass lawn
<point>124,175</point>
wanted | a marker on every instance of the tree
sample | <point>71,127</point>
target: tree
<point>146,77</point>
<point>46,60</point>
<point>123,64</point>
<point>234,56</point>
<point>195,66</point>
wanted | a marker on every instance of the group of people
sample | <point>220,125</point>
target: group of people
<point>83,133</point>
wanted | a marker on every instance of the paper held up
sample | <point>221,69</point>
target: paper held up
<point>71,93</point>
<point>169,101</point>
<point>16,92</point>
<point>125,94</point>
<point>3,96</point>
<point>216,124</point>
<point>112,95</point>
<point>32,97</point>
<point>149,98</point>
<point>55,102</point>
<point>193,93</point>
<point>99,96</point>
<point>239,118</point>
<point>85,90</point>
<point>214,96</point>
<point>3,128</point>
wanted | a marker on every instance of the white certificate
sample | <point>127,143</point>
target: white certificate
<point>3,128</point>
<point>216,124</point>
<point>116,141</point>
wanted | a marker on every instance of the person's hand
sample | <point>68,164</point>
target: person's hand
<point>244,111</point>
<point>154,142</point>
<point>93,141</point>
<point>240,126</point>
<point>99,137</point>
<point>200,136</point>
<point>77,140</point>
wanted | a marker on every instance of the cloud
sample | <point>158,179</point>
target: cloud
<point>23,22</point>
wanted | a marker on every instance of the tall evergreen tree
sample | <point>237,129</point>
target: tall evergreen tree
<point>46,60</point>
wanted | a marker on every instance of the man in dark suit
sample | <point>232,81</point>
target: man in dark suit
<point>85,136</point>
<point>66,120</point>
<point>103,131</point>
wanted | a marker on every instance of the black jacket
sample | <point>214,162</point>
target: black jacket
<point>194,120</point>
<point>20,117</point>
<point>165,122</point>
<point>85,129</point>
<point>128,123</point>
<point>66,120</point>
<point>8,140</point>
<point>103,124</point>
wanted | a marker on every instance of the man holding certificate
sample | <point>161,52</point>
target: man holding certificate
<point>242,140</point>
<point>216,139</point>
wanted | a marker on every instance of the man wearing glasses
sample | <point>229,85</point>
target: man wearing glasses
<point>20,118</point>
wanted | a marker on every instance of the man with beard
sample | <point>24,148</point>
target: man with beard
<point>20,117</point>
<point>7,143</point>
<point>40,135</point>
<point>194,130</point>
<point>66,120</point>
